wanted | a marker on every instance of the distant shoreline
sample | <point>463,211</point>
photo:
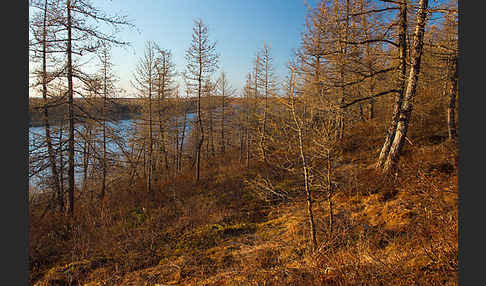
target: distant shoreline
<point>56,122</point>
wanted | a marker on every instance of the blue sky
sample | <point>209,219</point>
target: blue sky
<point>239,27</point>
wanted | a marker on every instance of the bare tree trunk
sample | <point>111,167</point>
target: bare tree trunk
<point>70,110</point>
<point>222,124</point>
<point>256,98</point>
<point>265,109</point>
<point>207,149</point>
<point>361,114</point>
<point>163,148</point>
<point>407,106</point>
<point>176,153</point>
<point>150,164</point>
<point>182,139</point>
<point>371,90</point>
<point>402,81</point>
<point>211,133</point>
<point>176,143</point>
<point>144,157</point>
<point>86,147</point>
<point>451,107</point>
<point>248,139</point>
<point>305,169</point>
<point>61,169</point>
<point>161,143</point>
<point>201,129</point>
<point>166,150</point>
<point>371,109</point>
<point>162,124</point>
<point>50,150</point>
<point>369,58</point>
<point>344,51</point>
<point>241,143</point>
<point>103,182</point>
<point>329,193</point>
<point>202,61</point>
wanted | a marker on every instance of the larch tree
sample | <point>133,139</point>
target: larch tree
<point>225,91</point>
<point>81,21</point>
<point>257,77</point>
<point>268,84</point>
<point>342,18</point>
<point>402,70</point>
<point>444,47</point>
<point>186,106</point>
<point>165,88</point>
<point>410,93</point>
<point>247,93</point>
<point>144,81</point>
<point>453,77</point>
<point>299,124</point>
<point>43,28</point>
<point>312,50</point>
<point>202,62</point>
<point>209,88</point>
<point>108,89</point>
<point>372,51</point>
<point>87,124</point>
<point>177,108</point>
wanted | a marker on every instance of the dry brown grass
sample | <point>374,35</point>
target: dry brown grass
<point>395,230</point>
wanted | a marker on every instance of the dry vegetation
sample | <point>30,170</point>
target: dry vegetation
<point>401,230</point>
<point>345,174</point>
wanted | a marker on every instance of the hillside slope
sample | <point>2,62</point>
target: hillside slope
<point>398,230</point>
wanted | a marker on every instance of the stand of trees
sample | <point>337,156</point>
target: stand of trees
<point>62,32</point>
<point>359,60</point>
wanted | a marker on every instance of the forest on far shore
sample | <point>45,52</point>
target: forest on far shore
<point>119,108</point>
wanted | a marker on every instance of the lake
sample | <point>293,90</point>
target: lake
<point>38,155</point>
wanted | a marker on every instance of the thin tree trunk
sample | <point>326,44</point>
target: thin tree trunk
<point>402,81</point>
<point>150,164</point>
<point>304,165</point>
<point>162,125</point>
<point>176,154</point>
<point>176,143</point>
<point>61,169</point>
<point>182,139</point>
<point>371,109</point>
<point>50,150</point>
<point>247,129</point>
<point>371,87</point>
<point>344,51</point>
<point>371,90</point>
<point>361,114</point>
<point>451,107</point>
<point>211,133</point>
<point>329,193</point>
<point>241,143</point>
<point>222,123</point>
<point>103,182</point>
<point>166,150</point>
<point>265,110</point>
<point>86,145</point>
<point>207,149</point>
<point>201,129</point>
<point>163,142</point>
<point>407,106</point>
<point>70,110</point>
